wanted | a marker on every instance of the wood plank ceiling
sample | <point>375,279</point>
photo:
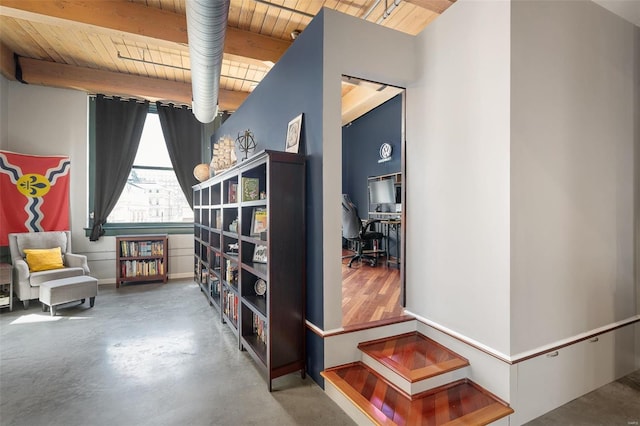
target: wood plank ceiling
<point>138,48</point>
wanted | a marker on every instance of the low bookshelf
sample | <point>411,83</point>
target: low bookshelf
<point>141,258</point>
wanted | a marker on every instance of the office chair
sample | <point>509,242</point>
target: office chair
<point>354,230</point>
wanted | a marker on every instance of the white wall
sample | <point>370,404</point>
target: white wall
<point>4,110</point>
<point>361,49</point>
<point>457,262</point>
<point>49,121</point>
<point>574,126</point>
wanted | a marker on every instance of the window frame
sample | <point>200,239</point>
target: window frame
<point>124,228</point>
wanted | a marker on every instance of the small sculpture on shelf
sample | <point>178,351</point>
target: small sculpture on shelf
<point>224,155</point>
<point>246,142</point>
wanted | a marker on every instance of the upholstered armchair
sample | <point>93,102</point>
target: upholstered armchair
<point>26,283</point>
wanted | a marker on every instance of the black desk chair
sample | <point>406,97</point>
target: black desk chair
<point>354,230</point>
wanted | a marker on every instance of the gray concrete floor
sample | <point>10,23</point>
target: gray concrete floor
<point>145,354</point>
<point>154,354</point>
<point>615,404</point>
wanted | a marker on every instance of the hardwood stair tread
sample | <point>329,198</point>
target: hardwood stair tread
<point>458,403</point>
<point>413,356</point>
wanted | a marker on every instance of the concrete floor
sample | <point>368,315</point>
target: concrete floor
<point>146,354</point>
<point>617,403</point>
<point>153,354</point>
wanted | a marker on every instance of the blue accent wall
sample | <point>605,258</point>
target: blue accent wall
<point>315,356</point>
<point>360,149</point>
<point>294,86</point>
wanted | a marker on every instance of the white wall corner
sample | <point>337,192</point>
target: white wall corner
<point>575,70</point>
<point>458,173</point>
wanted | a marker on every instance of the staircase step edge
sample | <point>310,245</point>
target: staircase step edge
<point>421,373</point>
<point>417,386</point>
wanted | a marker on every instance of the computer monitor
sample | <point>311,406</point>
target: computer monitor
<point>382,192</point>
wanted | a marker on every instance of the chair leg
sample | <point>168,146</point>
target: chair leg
<point>25,303</point>
<point>361,256</point>
<point>358,254</point>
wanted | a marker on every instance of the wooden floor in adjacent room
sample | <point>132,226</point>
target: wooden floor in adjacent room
<point>369,293</point>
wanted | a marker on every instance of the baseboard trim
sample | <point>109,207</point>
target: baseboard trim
<point>523,356</point>
<point>353,329</point>
<point>464,339</point>
<point>320,332</point>
<point>107,281</point>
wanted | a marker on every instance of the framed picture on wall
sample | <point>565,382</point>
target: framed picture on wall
<point>293,135</point>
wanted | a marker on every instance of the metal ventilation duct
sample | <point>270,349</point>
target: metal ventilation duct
<point>206,28</point>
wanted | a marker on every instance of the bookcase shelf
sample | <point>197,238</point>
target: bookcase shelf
<point>249,226</point>
<point>143,257</point>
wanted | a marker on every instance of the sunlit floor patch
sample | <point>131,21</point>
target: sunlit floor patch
<point>35,318</point>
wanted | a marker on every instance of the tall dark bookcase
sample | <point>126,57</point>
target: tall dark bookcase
<point>249,258</point>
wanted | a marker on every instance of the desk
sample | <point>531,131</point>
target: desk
<point>389,226</point>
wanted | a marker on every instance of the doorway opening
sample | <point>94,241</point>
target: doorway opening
<point>373,184</point>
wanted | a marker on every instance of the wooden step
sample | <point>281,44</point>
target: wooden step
<point>458,403</point>
<point>413,362</point>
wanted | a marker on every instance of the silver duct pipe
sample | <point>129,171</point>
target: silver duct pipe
<point>373,6</point>
<point>387,12</point>
<point>206,29</point>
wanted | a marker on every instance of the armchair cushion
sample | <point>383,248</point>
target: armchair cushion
<point>41,240</point>
<point>44,259</point>
<point>38,278</point>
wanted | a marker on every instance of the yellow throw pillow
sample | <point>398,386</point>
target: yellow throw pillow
<point>43,259</point>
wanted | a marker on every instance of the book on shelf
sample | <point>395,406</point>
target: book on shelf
<point>231,305</point>
<point>250,189</point>
<point>233,193</point>
<point>259,222</point>
<point>141,248</point>
<point>231,272</point>
<point>204,276</point>
<point>214,284</point>
<point>260,328</point>
<point>143,268</point>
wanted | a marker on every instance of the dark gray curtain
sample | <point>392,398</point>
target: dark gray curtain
<point>183,134</point>
<point>119,126</point>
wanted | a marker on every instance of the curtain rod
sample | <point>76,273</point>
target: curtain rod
<point>151,104</point>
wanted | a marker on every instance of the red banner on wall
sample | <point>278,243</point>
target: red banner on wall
<point>34,193</point>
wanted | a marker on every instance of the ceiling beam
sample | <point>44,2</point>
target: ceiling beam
<point>437,6</point>
<point>7,66</point>
<point>46,73</point>
<point>138,22</point>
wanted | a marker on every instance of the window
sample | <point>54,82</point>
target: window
<point>152,193</point>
